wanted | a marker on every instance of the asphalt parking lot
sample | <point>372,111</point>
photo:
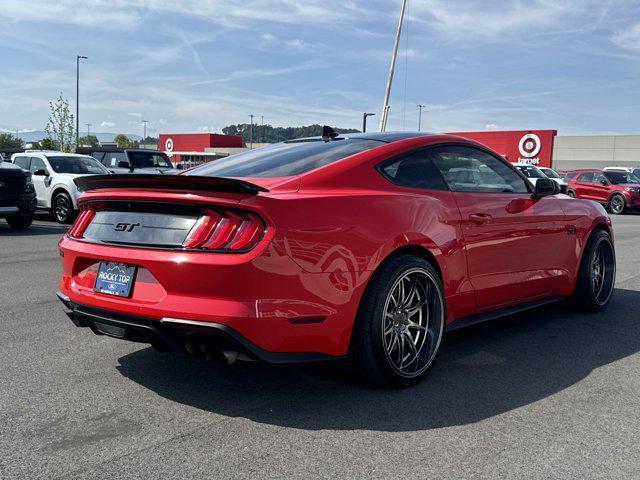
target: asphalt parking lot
<point>546,394</point>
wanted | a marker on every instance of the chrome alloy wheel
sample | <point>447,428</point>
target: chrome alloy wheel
<point>413,322</point>
<point>617,204</point>
<point>61,208</point>
<point>602,272</point>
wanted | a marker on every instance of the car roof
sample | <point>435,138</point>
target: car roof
<point>48,153</point>
<point>384,137</point>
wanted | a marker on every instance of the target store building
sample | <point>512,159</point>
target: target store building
<point>189,149</point>
<point>544,148</point>
<point>526,146</point>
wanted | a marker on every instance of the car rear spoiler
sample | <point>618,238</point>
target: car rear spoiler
<point>166,182</point>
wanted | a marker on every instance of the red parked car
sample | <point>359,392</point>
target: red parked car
<point>368,245</point>
<point>617,190</point>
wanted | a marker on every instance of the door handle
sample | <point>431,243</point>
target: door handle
<point>480,218</point>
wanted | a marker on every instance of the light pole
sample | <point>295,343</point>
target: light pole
<point>261,128</point>
<point>364,120</point>
<point>251,132</point>
<point>78,57</point>
<point>144,135</point>
<point>387,94</point>
<point>420,107</point>
<point>88,129</point>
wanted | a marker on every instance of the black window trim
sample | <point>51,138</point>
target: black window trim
<point>47,166</point>
<point>380,166</point>
<point>385,163</point>
<point>28,157</point>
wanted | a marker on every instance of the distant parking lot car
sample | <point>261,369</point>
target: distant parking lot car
<point>532,172</point>
<point>131,160</point>
<point>634,170</point>
<point>618,190</point>
<point>556,177</point>
<point>17,196</point>
<point>364,245</point>
<point>53,174</point>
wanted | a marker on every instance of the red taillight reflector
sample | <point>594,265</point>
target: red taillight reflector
<point>202,229</point>
<point>81,223</point>
<point>226,231</point>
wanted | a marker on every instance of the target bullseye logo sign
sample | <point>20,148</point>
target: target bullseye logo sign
<point>530,145</point>
<point>168,145</point>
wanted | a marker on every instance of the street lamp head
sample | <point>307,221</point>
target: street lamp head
<point>81,56</point>
<point>369,114</point>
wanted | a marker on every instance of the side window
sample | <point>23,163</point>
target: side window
<point>414,170</point>
<point>599,177</point>
<point>113,159</point>
<point>467,169</point>
<point>37,164</point>
<point>586,177</point>
<point>22,162</point>
<point>98,155</point>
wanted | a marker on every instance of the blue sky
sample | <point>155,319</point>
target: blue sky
<point>187,65</point>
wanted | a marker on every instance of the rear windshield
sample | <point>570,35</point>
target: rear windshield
<point>77,165</point>
<point>149,160</point>
<point>284,159</point>
<point>531,172</point>
<point>550,173</point>
<point>621,177</point>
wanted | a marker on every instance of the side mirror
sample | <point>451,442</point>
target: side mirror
<point>41,173</point>
<point>123,164</point>
<point>545,187</point>
<point>604,182</point>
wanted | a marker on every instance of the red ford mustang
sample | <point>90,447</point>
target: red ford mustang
<point>369,246</point>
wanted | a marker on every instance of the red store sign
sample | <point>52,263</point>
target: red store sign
<point>525,146</point>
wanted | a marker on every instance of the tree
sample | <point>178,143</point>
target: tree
<point>8,141</point>
<point>123,141</point>
<point>270,134</point>
<point>47,144</point>
<point>60,127</point>
<point>88,141</point>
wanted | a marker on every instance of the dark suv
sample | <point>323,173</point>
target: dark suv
<point>131,160</point>
<point>17,196</point>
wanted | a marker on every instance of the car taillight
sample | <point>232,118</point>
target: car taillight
<point>225,231</point>
<point>81,223</point>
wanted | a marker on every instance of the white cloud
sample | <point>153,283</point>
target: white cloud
<point>297,43</point>
<point>135,114</point>
<point>107,124</point>
<point>628,38</point>
<point>231,13</point>
<point>473,20</point>
<point>262,72</point>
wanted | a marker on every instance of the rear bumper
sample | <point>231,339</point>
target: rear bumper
<point>203,339</point>
<point>15,204</point>
<point>262,295</point>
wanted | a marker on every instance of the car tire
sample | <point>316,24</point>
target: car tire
<point>617,204</point>
<point>597,273</point>
<point>20,222</point>
<point>571,193</point>
<point>400,323</point>
<point>62,208</point>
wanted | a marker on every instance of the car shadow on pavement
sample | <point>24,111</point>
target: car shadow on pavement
<point>482,371</point>
<point>33,230</point>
